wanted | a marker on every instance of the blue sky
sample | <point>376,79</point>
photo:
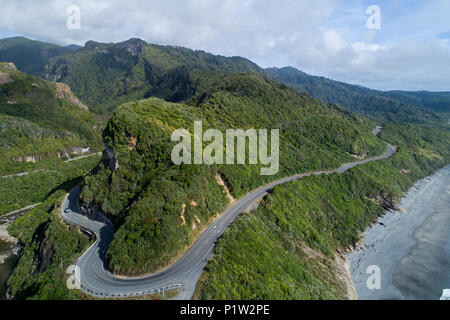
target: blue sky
<point>323,37</point>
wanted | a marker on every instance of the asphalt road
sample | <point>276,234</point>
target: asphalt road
<point>184,273</point>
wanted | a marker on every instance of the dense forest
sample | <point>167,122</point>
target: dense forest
<point>284,249</point>
<point>287,247</point>
<point>17,192</point>
<point>30,56</point>
<point>418,107</point>
<point>105,75</point>
<point>48,248</point>
<point>40,120</point>
<point>158,207</point>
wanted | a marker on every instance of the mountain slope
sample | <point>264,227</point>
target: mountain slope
<point>40,119</point>
<point>106,75</point>
<point>378,105</point>
<point>292,245</point>
<point>30,56</point>
<point>436,101</point>
<point>159,207</point>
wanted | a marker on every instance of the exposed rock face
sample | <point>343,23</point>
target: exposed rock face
<point>113,163</point>
<point>385,202</point>
<point>92,211</point>
<point>78,150</point>
<point>340,266</point>
<point>221,182</point>
<point>4,68</point>
<point>4,235</point>
<point>44,256</point>
<point>9,66</point>
<point>30,158</point>
<point>133,46</point>
<point>63,92</point>
<point>359,157</point>
<point>4,78</point>
<point>63,153</point>
<point>343,274</point>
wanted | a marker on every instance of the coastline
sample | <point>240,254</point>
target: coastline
<point>343,268</point>
<point>411,248</point>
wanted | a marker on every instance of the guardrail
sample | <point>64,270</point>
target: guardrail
<point>130,294</point>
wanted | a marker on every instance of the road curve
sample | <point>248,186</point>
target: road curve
<point>184,273</point>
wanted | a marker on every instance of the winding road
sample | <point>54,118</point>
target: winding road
<point>184,273</point>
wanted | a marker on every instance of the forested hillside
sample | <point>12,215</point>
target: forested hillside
<point>419,107</point>
<point>158,207</point>
<point>283,249</point>
<point>30,56</point>
<point>40,120</point>
<point>106,75</point>
<point>291,246</point>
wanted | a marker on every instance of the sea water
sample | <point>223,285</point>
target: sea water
<point>412,249</point>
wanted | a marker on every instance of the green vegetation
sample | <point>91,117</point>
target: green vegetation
<point>146,194</point>
<point>20,191</point>
<point>28,55</point>
<point>419,107</point>
<point>266,254</point>
<point>49,247</point>
<point>40,120</point>
<point>436,101</point>
<point>283,249</point>
<point>107,75</point>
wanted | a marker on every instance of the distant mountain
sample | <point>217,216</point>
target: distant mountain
<point>407,106</point>
<point>30,56</point>
<point>106,75</point>
<point>40,119</point>
<point>73,47</point>
<point>436,101</point>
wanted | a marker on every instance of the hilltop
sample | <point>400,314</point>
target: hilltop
<point>105,75</point>
<point>40,119</point>
<point>30,56</point>
<point>158,208</point>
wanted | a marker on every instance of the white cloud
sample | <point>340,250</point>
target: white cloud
<point>323,37</point>
<point>333,42</point>
<point>364,46</point>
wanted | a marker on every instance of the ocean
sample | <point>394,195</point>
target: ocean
<point>410,251</point>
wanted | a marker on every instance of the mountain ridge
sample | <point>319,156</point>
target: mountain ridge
<point>40,119</point>
<point>380,105</point>
<point>105,75</point>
